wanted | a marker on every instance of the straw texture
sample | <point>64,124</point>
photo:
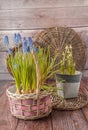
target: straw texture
<point>57,38</point>
<point>69,104</point>
<point>25,106</point>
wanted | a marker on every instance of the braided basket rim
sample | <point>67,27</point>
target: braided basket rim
<point>24,96</point>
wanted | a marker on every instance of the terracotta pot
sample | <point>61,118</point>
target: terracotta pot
<point>68,84</point>
<point>27,106</point>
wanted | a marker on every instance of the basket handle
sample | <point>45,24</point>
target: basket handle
<point>37,74</point>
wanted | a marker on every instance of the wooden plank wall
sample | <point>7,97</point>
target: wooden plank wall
<point>29,17</point>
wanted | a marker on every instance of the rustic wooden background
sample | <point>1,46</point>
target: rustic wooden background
<point>29,17</point>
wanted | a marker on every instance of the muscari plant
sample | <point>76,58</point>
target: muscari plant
<point>67,64</point>
<point>23,67</point>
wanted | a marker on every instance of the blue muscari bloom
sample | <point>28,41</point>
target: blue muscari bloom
<point>6,40</point>
<point>24,45</point>
<point>10,51</point>
<point>15,39</point>
<point>31,45</point>
<point>30,41</point>
<point>19,38</point>
<point>28,49</point>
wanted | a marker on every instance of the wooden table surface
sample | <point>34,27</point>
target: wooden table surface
<point>58,120</point>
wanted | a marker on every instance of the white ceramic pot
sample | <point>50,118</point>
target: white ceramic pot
<point>68,84</point>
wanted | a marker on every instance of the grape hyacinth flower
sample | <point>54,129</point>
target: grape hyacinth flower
<point>31,45</point>
<point>17,39</point>
<point>28,49</point>
<point>10,51</point>
<point>6,41</point>
<point>24,45</point>
<point>30,41</point>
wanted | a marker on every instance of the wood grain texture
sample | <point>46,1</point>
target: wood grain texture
<point>43,17</point>
<point>84,89</point>
<point>5,76</point>
<point>10,4</point>
<point>69,120</point>
<point>3,62</point>
<point>6,122</point>
<point>61,120</point>
<point>41,124</point>
<point>85,73</point>
<point>85,112</point>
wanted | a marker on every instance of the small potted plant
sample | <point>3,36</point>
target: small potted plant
<point>68,79</point>
<point>29,97</point>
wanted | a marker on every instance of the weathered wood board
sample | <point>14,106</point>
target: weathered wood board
<point>17,4</point>
<point>34,18</point>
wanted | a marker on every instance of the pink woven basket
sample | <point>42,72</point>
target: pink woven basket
<point>27,106</point>
<point>30,106</point>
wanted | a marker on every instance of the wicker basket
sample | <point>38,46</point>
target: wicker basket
<point>57,38</point>
<point>59,103</point>
<point>30,106</point>
<point>27,106</point>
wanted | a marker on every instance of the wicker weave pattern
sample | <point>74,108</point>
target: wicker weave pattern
<point>27,108</point>
<point>57,38</point>
<point>69,104</point>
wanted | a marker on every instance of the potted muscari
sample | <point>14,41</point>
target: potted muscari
<point>68,79</point>
<point>29,97</point>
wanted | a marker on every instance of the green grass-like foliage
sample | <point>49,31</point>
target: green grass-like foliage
<point>23,68</point>
<point>67,65</point>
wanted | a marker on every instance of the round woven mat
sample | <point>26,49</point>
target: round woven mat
<point>69,104</point>
<point>57,38</point>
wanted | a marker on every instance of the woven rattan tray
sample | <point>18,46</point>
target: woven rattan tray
<point>69,104</point>
<point>57,38</point>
